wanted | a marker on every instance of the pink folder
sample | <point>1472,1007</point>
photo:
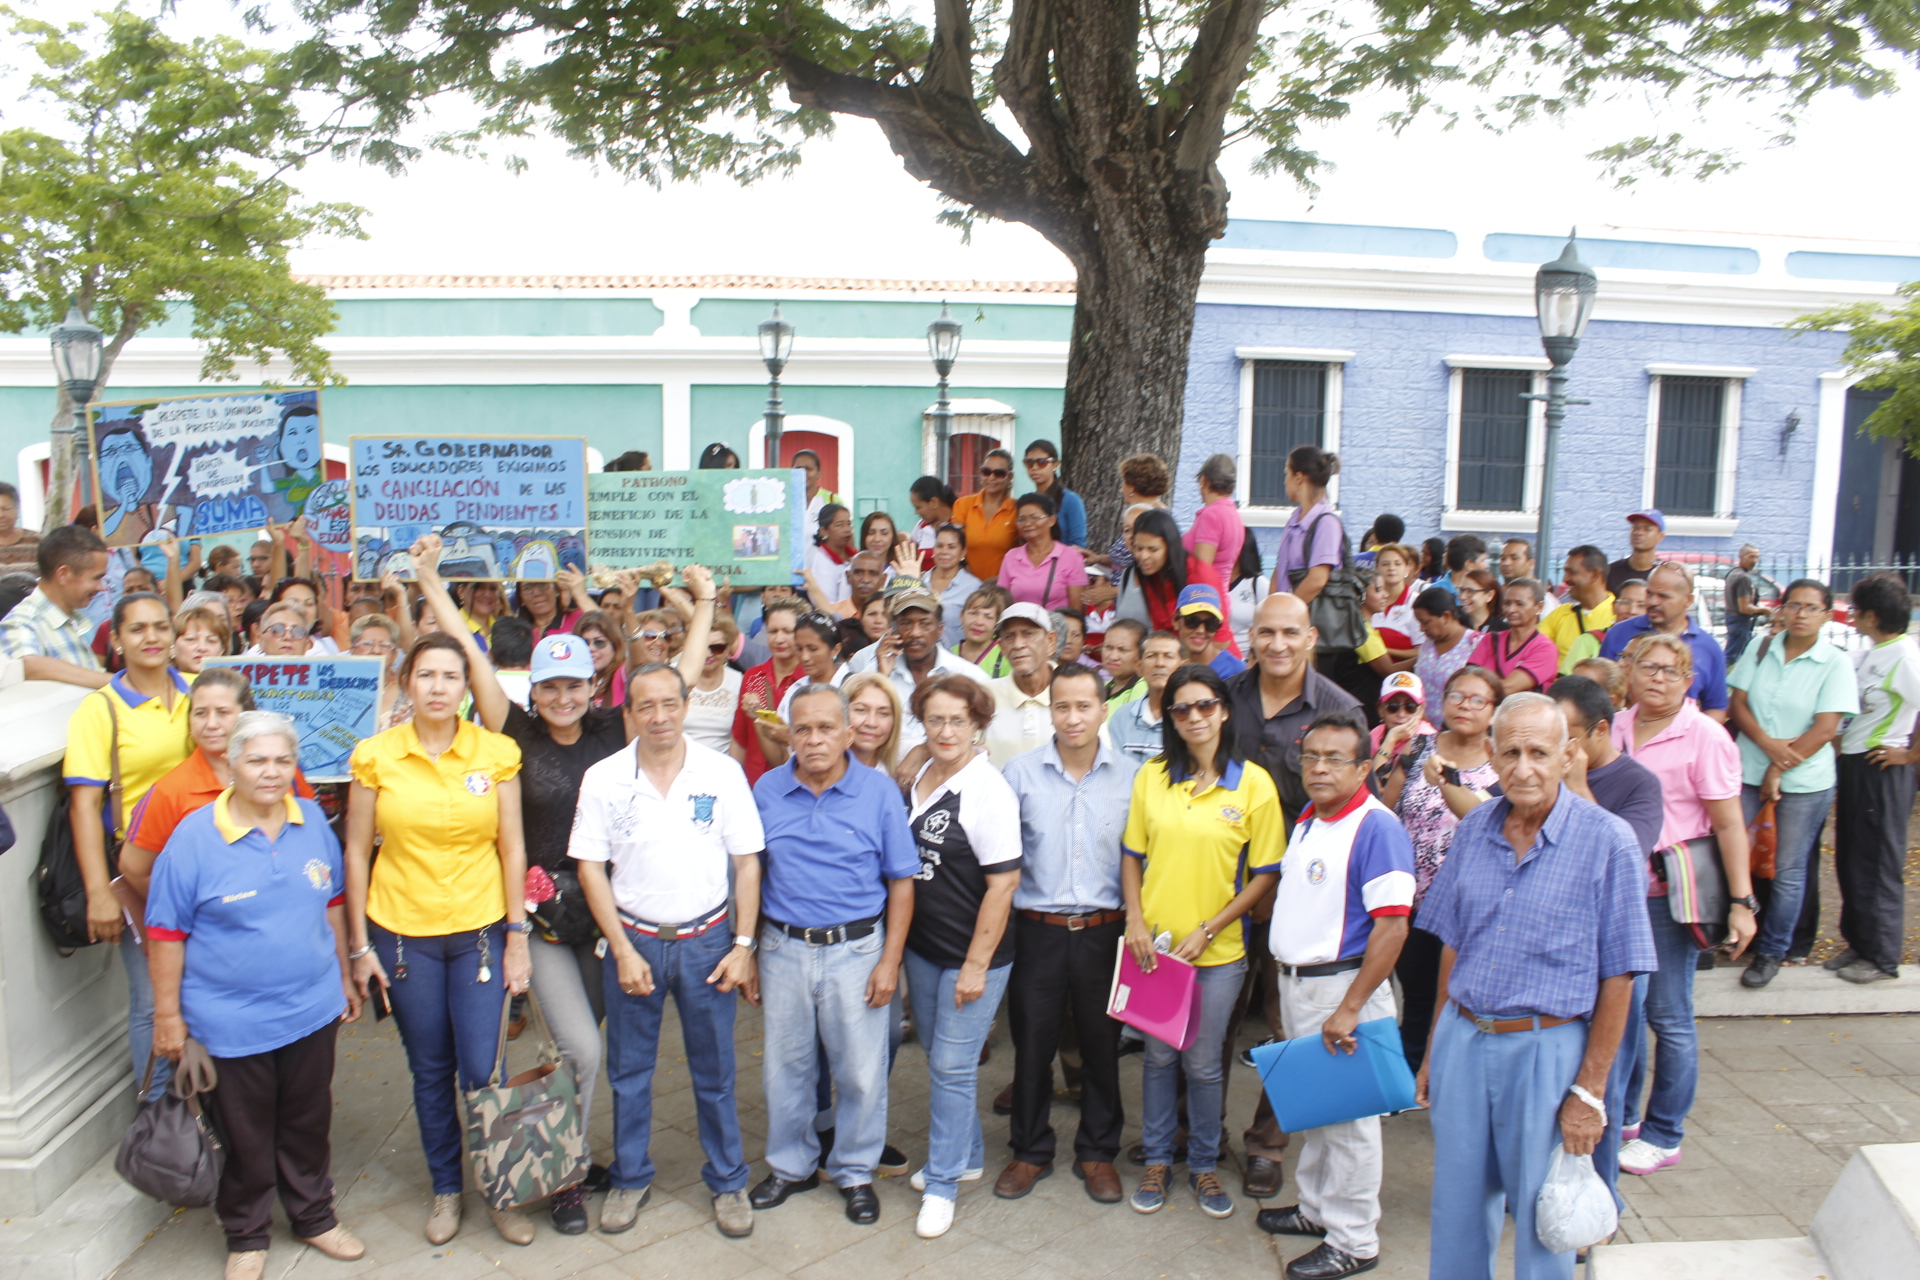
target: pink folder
<point>1160,1004</point>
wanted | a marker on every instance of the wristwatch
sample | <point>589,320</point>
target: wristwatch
<point>747,941</point>
<point>1750,902</point>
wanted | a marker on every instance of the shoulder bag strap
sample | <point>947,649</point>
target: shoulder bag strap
<point>1047,594</point>
<point>500,1049</point>
<point>114,787</point>
<point>1765,645</point>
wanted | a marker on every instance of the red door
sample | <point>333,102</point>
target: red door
<point>825,446</point>
<point>966,450</point>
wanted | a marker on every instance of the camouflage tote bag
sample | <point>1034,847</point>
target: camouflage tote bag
<point>524,1135</point>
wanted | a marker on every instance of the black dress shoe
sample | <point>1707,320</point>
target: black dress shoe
<point>1328,1263</point>
<point>774,1190</point>
<point>1287,1222</point>
<point>1262,1179</point>
<point>599,1178</point>
<point>863,1206</point>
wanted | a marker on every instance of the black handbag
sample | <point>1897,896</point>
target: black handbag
<point>1339,612</point>
<point>1697,897</point>
<point>564,918</point>
<point>61,889</point>
<point>171,1150</point>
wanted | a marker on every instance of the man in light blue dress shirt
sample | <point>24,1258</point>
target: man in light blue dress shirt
<point>1068,918</point>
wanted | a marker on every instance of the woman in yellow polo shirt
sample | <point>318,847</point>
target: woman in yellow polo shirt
<point>147,702</point>
<point>436,923</point>
<point>1203,842</point>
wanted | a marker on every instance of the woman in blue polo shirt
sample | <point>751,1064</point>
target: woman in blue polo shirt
<point>246,919</point>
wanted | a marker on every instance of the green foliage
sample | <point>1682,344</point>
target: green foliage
<point>163,185</point>
<point>1883,343</point>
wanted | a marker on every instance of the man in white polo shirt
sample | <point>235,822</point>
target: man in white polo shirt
<point>1339,921</point>
<point>672,817</point>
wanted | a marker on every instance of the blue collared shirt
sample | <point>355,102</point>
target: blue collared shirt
<point>1539,935</point>
<point>1070,831</point>
<point>1709,687</point>
<point>1132,734</point>
<point>829,856</point>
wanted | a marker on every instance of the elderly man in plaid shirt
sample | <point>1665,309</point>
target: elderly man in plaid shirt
<point>1540,908</point>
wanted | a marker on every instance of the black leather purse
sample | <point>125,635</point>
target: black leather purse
<point>171,1150</point>
<point>564,918</point>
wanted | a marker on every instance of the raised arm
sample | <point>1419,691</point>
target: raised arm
<point>699,616</point>
<point>393,597</point>
<point>170,585</point>
<point>574,583</point>
<point>489,699</point>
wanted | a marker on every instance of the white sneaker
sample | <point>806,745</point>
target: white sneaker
<point>919,1179</point>
<point>936,1216</point>
<point>1642,1157</point>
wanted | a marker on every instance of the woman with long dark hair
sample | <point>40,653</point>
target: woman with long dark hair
<point>1043,473</point>
<point>1162,569</point>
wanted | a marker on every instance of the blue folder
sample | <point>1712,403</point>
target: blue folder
<point>1310,1087</point>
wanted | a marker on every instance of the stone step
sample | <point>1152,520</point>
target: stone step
<point>1795,1259</point>
<point>1802,992</point>
<point>1869,1224</point>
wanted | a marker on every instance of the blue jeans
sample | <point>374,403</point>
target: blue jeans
<point>820,993</point>
<point>1669,1016</point>
<point>1798,819</point>
<point>680,968</point>
<point>1496,1121</point>
<point>140,1016</point>
<point>1217,988</point>
<point>952,1038</point>
<point>450,1024</point>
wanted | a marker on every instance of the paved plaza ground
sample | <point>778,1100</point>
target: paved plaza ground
<point>1782,1104</point>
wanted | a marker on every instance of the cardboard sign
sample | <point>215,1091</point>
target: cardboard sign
<point>506,507</point>
<point>204,465</point>
<point>746,526</point>
<point>334,701</point>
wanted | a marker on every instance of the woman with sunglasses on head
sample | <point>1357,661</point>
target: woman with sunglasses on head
<point>1042,570</point>
<point>1421,786</point>
<point>1198,810</point>
<point>988,517</point>
<point>951,581</point>
<point>1043,474</point>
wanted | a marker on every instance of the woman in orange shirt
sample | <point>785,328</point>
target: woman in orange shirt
<point>987,516</point>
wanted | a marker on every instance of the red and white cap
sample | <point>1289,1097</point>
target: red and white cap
<point>1404,682</point>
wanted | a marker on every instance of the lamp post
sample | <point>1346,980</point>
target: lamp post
<point>776,344</point>
<point>76,362</point>
<point>943,344</point>
<point>1563,296</point>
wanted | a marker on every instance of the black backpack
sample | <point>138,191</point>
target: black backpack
<point>57,880</point>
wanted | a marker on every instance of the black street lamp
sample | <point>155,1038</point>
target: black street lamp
<point>76,362</point>
<point>776,344</point>
<point>1563,297</point>
<point>943,344</point>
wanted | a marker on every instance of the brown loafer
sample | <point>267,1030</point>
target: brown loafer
<point>1102,1179</point>
<point>1003,1102</point>
<point>1262,1179</point>
<point>1018,1178</point>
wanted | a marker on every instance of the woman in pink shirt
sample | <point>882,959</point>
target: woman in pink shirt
<point>1044,571</point>
<point>1699,771</point>
<point>1522,656</point>
<point>1217,531</point>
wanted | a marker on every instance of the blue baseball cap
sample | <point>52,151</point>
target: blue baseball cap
<point>562,656</point>
<point>1198,597</point>
<point>1651,516</point>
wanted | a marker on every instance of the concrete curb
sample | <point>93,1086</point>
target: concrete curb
<point>1803,992</point>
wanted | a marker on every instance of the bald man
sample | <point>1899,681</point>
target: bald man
<point>1670,609</point>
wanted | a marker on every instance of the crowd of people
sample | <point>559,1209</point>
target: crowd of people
<point>962,764</point>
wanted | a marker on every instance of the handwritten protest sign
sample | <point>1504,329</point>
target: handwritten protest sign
<point>749,526</point>
<point>204,465</point>
<point>333,700</point>
<point>504,506</point>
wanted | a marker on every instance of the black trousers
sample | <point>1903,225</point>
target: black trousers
<point>1419,972</point>
<point>275,1111</point>
<point>1869,857</point>
<point>1059,971</point>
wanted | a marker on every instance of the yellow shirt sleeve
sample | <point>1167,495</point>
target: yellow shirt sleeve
<point>1370,648</point>
<point>1266,822</point>
<point>90,742</point>
<point>364,764</point>
<point>1134,839</point>
<point>503,756</point>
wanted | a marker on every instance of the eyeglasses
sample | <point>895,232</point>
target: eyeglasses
<point>996,473</point>
<point>1471,701</point>
<point>599,642</point>
<point>281,630</point>
<point>1657,671</point>
<point>937,723</point>
<point>1033,518</point>
<point>1311,759</point>
<point>367,648</point>
<point>1204,706</point>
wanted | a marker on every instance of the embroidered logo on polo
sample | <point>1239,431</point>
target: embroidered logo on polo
<point>479,784</point>
<point>703,809</point>
<point>318,874</point>
<point>1231,813</point>
<point>1317,871</point>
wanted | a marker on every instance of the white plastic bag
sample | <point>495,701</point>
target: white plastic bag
<point>1575,1210</point>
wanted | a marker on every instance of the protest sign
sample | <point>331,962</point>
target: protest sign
<point>204,465</point>
<point>504,506</point>
<point>333,700</point>
<point>746,526</point>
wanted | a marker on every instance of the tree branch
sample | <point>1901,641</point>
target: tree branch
<point>1211,78</point>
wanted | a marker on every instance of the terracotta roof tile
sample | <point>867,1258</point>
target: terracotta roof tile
<point>705,283</point>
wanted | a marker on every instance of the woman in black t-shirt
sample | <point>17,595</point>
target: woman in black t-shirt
<point>561,736</point>
<point>966,821</point>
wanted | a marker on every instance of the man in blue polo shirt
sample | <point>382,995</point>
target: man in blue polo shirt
<point>1339,920</point>
<point>1669,606</point>
<point>836,903</point>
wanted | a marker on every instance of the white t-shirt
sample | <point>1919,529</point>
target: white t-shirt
<point>840,674</point>
<point>669,853</point>
<point>1889,677</point>
<point>710,711</point>
<point>831,577</point>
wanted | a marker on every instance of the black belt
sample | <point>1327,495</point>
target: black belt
<point>1322,970</point>
<point>832,934</point>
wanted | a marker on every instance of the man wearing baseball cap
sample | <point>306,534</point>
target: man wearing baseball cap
<point>911,653</point>
<point>1199,616</point>
<point>1022,719</point>
<point>1645,531</point>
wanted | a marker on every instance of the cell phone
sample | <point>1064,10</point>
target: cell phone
<point>768,717</point>
<point>382,1003</point>
<point>1450,776</point>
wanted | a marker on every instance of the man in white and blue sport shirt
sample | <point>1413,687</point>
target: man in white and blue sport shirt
<point>1339,921</point>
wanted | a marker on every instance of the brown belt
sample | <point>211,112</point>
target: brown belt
<point>1500,1027</point>
<point>1077,923</point>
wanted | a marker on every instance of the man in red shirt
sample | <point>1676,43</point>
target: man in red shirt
<point>763,686</point>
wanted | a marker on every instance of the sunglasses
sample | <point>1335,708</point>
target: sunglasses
<point>1204,706</point>
<point>996,473</point>
<point>1034,464</point>
<point>654,635</point>
<point>718,647</point>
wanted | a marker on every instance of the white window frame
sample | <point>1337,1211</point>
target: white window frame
<point>1527,519</point>
<point>841,431</point>
<point>971,417</point>
<point>1335,361</point>
<point>1723,523</point>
